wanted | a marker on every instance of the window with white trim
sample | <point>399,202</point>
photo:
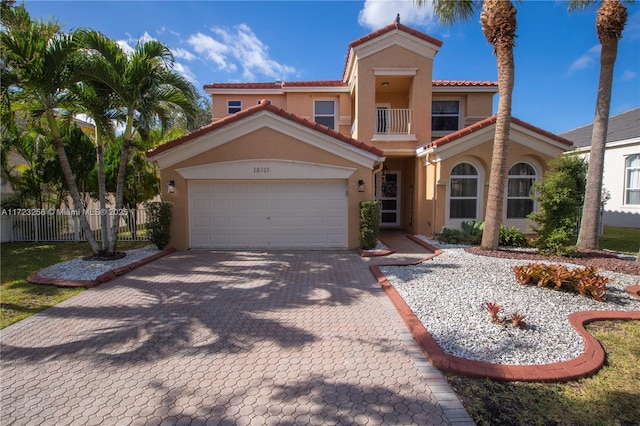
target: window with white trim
<point>632,180</point>
<point>519,182</point>
<point>445,116</point>
<point>463,196</point>
<point>324,112</point>
<point>234,106</point>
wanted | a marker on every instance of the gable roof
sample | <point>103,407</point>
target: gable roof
<point>392,27</point>
<point>621,127</point>
<point>490,121</point>
<point>264,105</point>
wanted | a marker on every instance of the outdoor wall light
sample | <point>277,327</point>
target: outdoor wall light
<point>171,186</point>
<point>385,83</point>
<point>360,185</point>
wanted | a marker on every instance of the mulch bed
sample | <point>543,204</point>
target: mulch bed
<point>598,258</point>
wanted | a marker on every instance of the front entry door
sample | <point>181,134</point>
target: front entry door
<point>388,195</point>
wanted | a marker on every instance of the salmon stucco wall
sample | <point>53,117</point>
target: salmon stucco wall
<point>437,178</point>
<point>269,144</point>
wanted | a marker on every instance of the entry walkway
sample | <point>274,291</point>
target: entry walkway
<point>406,249</point>
<point>199,337</point>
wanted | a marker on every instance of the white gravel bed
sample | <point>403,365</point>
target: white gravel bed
<point>78,269</point>
<point>448,293</point>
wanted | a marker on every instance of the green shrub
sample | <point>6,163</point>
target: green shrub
<point>159,222</point>
<point>512,237</point>
<point>450,236</point>
<point>559,195</point>
<point>471,233</point>
<point>369,224</point>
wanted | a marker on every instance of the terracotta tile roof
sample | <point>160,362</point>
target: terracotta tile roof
<point>264,105</point>
<point>489,121</point>
<point>339,84</point>
<point>276,85</point>
<point>392,27</point>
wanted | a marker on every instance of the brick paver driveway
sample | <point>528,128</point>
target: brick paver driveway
<point>224,338</point>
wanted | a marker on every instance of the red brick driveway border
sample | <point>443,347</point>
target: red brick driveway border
<point>103,278</point>
<point>586,364</point>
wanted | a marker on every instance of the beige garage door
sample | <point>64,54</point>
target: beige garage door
<point>268,214</point>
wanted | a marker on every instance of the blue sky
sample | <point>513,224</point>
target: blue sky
<point>556,56</point>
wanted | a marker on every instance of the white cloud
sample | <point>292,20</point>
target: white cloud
<point>186,72</point>
<point>629,75</point>
<point>380,13</point>
<point>589,57</point>
<point>212,50</point>
<point>237,48</point>
<point>183,54</point>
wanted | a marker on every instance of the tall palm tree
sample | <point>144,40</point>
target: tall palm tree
<point>498,21</point>
<point>610,21</point>
<point>147,90</point>
<point>97,101</point>
<point>38,59</point>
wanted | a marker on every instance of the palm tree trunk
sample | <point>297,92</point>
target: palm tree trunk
<point>75,195</point>
<point>122,172</point>
<point>102,190</point>
<point>590,223</point>
<point>71,181</point>
<point>498,174</point>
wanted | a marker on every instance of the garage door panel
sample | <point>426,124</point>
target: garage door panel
<point>267,214</point>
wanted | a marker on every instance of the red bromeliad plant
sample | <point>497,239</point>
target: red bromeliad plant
<point>493,309</point>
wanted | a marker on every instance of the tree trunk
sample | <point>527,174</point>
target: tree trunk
<point>102,191</point>
<point>71,181</point>
<point>590,223</point>
<point>498,25</point>
<point>75,195</point>
<point>122,172</point>
<point>498,174</point>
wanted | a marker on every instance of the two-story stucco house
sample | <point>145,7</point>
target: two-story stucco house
<point>286,164</point>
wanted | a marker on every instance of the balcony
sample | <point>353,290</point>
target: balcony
<point>393,122</point>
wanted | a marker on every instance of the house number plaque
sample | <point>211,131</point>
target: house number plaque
<point>261,170</point>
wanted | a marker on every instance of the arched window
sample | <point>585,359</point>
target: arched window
<point>519,203</point>
<point>463,198</point>
<point>632,180</point>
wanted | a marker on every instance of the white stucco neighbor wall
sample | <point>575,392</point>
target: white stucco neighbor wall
<point>616,212</point>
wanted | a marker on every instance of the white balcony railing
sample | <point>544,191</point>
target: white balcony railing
<point>396,121</point>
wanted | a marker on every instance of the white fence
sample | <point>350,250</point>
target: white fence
<point>64,225</point>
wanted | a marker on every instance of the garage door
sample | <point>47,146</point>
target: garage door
<point>268,214</point>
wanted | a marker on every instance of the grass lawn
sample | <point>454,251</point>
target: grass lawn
<point>18,297</point>
<point>610,397</point>
<point>625,240</point>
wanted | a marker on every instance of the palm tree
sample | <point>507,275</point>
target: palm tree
<point>96,100</point>
<point>37,58</point>
<point>498,20</point>
<point>610,21</point>
<point>147,90</point>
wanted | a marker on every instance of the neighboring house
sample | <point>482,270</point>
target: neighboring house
<point>286,164</point>
<point>621,174</point>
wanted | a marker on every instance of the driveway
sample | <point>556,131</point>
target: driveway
<point>201,337</point>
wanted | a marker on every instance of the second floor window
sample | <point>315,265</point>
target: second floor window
<point>325,113</point>
<point>445,116</point>
<point>632,180</point>
<point>234,106</point>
